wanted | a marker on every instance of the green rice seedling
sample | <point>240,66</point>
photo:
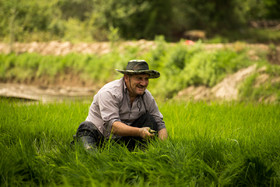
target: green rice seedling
<point>209,144</point>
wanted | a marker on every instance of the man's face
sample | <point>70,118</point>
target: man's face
<point>136,84</point>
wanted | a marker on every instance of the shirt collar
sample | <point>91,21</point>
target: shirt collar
<point>124,86</point>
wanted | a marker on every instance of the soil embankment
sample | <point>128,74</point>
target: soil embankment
<point>63,48</point>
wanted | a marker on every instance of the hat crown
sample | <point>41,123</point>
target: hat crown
<point>137,65</point>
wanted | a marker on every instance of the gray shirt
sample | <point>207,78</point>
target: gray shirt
<point>112,103</point>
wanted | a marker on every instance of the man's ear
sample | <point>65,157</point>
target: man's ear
<point>126,77</point>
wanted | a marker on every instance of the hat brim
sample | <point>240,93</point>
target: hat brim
<point>153,73</point>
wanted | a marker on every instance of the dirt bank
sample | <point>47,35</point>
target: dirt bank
<point>228,88</point>
<point>63,48</point>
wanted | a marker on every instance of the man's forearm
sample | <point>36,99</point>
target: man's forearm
<point>122,129</point>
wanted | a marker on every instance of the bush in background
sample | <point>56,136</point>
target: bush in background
<point>92,20</point>
<point>180,66</point>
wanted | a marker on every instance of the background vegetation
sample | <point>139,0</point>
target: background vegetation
<point>96,20</point>
<point>180,66</point>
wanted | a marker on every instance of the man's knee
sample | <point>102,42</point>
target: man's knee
<point>89,134</point>
<point>87,128</point>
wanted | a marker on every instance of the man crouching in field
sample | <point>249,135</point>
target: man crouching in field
<point>124,110</point>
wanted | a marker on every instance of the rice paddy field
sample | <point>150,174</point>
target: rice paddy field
<point>210,144</point>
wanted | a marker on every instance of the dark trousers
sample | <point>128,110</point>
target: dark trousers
<point>87,130</point>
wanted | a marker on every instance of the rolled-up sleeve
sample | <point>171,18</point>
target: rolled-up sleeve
<point>109,109</point>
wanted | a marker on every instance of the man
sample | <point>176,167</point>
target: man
<point>124,110</point>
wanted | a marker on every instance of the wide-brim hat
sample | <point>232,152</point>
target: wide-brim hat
<point>138,67</point>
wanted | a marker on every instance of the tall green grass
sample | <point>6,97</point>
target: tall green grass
<point>210,144</point>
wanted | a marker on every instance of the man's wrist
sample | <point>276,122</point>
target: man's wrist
<point>139,132</point>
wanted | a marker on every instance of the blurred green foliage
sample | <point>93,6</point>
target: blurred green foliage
<point>180,66</point>
<point>96,20</point>
<point>25,67</point>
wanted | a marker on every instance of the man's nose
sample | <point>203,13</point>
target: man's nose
<point>144,82</point>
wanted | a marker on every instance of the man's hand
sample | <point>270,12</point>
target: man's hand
<point>122,129</point>
<point>145,132</point>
